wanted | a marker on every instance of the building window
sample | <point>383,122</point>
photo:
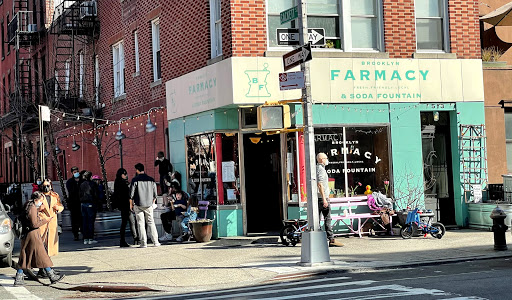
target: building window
<point>118,67</point>
<point>8,45</point>
<point>155,37</point>
<point>136,50</point>
<point>348,25</point>
<point>82,74</point>
<point>508,137</point>
<point>56,87</point>
<point>96,80</point>
<point>431,25</point>
<point>215,28</point>
<point>67,74</point>
<point>3,38</point>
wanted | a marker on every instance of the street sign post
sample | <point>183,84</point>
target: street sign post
<point>291,81</point>
<point>297,57</point>
<point>290,36</point>
<point>289,14</point>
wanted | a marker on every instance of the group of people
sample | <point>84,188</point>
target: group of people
<point>86,195</point>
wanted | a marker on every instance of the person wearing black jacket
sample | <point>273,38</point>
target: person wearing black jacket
<point>89,201</point>
<point>73,187</point>
<point>164,169</point>
<point>122,202</point>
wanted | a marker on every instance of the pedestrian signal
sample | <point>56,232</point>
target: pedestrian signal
<point>273,117</point>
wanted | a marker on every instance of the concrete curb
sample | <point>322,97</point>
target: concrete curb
<point>126,288</point>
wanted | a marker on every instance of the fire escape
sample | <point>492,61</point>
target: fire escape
<point>23,34</point>
<point>75,27</point>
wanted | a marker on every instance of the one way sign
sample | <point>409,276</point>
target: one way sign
<point>290,36</point>
<point>297,56</point>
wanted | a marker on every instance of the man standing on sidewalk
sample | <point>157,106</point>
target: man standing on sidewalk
<point>74,206</point>
<point>142,197</point>
<point>164,169</point>
<point>324,206</point>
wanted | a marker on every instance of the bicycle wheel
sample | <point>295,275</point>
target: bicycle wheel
<point>407,232</point>
<point>287,235</point>
<point>437,230</point>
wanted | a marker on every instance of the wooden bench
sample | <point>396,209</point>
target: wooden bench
<point>338,205</point>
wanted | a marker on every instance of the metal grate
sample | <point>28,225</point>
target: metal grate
<point>473,155</point>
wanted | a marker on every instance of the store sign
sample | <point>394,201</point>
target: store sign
<point>251,80</point>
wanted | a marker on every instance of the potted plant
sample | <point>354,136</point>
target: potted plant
<point>202,230</point>
<point>490,57</point>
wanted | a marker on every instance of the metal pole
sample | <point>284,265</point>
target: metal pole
<point>314,247</point>
<point>41,144</point>
<point>121,152</point>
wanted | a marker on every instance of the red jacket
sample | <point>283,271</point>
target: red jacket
<point>35,187</point>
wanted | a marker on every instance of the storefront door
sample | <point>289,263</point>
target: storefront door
<point>437,166</point>
<point>263,182</point>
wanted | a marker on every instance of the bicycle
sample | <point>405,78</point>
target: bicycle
<point>414,225</point>
<point>291,233</point>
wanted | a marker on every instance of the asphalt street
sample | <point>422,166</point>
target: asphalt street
<point>484,279</point>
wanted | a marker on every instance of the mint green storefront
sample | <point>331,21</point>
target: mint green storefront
<point>218,117</point>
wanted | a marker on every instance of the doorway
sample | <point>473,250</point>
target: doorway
<point>262,169</point>
<point>437,166</point>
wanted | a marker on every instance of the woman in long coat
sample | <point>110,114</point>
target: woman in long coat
<point>32,253</point>
<point>51,207</point>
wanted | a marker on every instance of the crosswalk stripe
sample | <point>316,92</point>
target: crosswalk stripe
<point>404,291</point>
<point>466,298</point>
<point>251,288</point>
<point>296,289</point>
<point>18,292</point>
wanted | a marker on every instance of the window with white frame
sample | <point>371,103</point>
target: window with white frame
<point>431,25</point>
<point>67,73</point>
<point>215,28</point>
<point>348,24</point>
<point>136,50</point>
<point>96,79</point>
<point>155,37</point>
<point>118,67</point>
<point>508,137</point>
<point>56,87</point>
<point>81,74</point>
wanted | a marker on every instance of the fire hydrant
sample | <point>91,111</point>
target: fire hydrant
<point>499,228</point>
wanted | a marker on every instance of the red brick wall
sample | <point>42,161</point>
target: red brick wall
<point>249,27</point>
<point>399,28</point>
<point>465,28</point>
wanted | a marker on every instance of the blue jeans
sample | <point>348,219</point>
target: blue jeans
<point>88,217</point>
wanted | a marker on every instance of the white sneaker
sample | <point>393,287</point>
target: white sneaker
<point>92,242</point>
<point>157,244</point>
<point>179,239</point>
<point>142,245</point>
<point>86,241</point>
<point>167,237</point>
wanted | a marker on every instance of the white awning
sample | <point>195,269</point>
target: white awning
<point>499,17</point>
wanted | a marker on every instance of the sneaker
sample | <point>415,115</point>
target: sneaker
<point>334,243</point>
<point>143,246</point>
<point>157,244</point>
<point>91,241</point>
<point>86,241</point>
<point>179,239</point>
<point>166,238</point>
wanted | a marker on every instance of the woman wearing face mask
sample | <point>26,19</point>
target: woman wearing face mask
<point>35,186</point>
<point>51,207</point>
<point>33,253</point>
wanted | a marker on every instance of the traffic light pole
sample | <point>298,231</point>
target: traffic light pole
<point>314,247</point>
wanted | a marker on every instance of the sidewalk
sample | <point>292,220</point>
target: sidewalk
<point>239,261</point>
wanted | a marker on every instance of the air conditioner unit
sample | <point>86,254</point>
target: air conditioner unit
<point>32,28</point>
<point>88,9</point>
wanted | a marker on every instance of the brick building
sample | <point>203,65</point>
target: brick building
<point>395,87</point>
<point>387,71</point>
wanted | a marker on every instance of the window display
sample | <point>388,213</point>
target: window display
<point>209,178</point>
<point>358,156</point>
